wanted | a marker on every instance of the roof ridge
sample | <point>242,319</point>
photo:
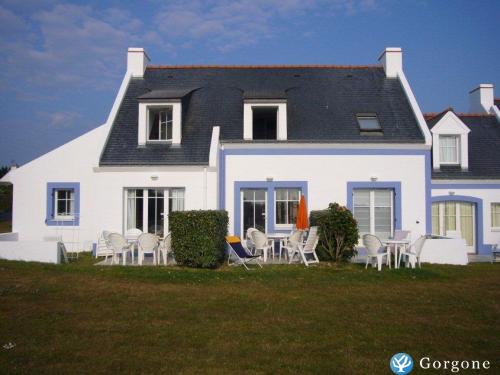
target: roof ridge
<point>300,66</point>
<point>432,115</point>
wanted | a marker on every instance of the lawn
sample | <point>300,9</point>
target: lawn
<point>79,318</point>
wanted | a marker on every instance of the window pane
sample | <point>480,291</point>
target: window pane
<point>362,216</point>
<point>294,194</point>
<point>260,195</point>
<point>248,195</point>
<point>61,207</point>
<point>292,212</point>
<point>435,218</point>
<point>281,216</point>
<point>450,219</point>
<point>281,194</point>
<point>383,222</point>
<point>466,223</point>
<point>368,123</point>
<point>495,215</point>
<point>448,149</point>
<point>135,204</point>
<point>154,131</point>
<point>383,198</point>
<point>361,197</point>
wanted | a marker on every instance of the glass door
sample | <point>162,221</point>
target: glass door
<point>149,209</point>
<point>455,216</point>
<point>253,211</point>
<point>156,211</point>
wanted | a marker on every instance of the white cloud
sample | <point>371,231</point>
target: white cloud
<point>227,25</point>
<point>75,47</point>
<point>60,119</point>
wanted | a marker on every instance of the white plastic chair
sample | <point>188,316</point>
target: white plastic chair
<point>309,247</point>
<point>412,254</point>
<point>262,243</point>
<point>120,247</point>
<point>250,246</point>
<point>133,234</point>
<point>103,247</point>
<point>165,248</point>
<point>290,244</point>
<point>375,250</point>
<point>148,244</point>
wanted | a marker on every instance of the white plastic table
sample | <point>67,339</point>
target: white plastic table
<point>277,236</point>
<point>397,244</point>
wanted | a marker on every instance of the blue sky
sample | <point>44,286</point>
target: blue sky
<point>61,63</point>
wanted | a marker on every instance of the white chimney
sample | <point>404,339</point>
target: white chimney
<point>481,99</point>
<point>392,61</point>
<point>137,60</point>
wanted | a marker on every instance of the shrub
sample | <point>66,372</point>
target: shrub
<point>338,232</point>
<point>198,237</point>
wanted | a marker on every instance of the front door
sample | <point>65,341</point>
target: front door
<point>253,211</point>
<point>455,216</point>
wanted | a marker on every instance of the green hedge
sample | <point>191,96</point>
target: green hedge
<point>198,237</point>
<point>338,233</point>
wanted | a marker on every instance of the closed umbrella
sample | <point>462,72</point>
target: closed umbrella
<point>302,221</point>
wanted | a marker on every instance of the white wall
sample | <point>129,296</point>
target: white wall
<point>101,189</point>
<point>327,177</point>
<point>488,196</point>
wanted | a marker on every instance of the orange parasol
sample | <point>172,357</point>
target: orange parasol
<point>302,221</point>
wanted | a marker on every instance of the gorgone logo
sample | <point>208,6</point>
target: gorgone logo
<point>401,363</point>
<point>427,363</point>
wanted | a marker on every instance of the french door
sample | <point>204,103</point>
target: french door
<point>253,210</point>
<point>148,209</point>
<point>455,216</point>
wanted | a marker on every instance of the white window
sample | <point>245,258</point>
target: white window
<point>495,215</point>
<point>160,124</point>
<point>449,149</point>
<point>264,120</point>
<point>287,203</point>
<point>64,201</point>
<point>373,210</point>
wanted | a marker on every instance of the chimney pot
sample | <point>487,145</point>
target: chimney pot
<point>137,60</point>
<point>481,99</point>
<point>392,61</point>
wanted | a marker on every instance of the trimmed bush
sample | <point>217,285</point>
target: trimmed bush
<point>198,237</point>
<point>338,232</point>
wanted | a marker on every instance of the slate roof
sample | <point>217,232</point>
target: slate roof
<point>484,148</point>
<point>322,102</point>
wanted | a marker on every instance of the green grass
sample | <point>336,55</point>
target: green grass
<point>79,318</point>
<point>5,226</point>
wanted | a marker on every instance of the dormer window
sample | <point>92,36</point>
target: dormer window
<point>368,124</point>
<point>450,142</point>
<point>449,149</point>
<point>160,124</point>
<point>264,120</point>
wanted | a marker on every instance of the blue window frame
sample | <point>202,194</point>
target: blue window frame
<point>270,187</point>
<point>63,203</point>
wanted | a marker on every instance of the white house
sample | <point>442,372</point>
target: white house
<point>253,139</point>
<point>466,171</point>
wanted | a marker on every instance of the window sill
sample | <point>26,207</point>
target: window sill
<point>495,229</point>
<point>62,222</point>
<point>168,141</point>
